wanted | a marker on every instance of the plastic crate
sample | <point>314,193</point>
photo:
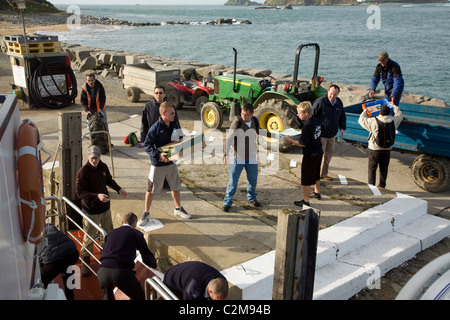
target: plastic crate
<point>38,38</point>
<point>373,108</point>
<point>34,47</point>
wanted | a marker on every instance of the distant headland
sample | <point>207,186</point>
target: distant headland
<point>284,3</point>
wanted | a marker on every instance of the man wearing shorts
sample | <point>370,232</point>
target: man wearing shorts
<point>160,134</point>
<point>312,152</point>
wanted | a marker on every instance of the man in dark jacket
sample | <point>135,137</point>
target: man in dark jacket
<point>329,110</point>
<point>91,187</point>
<point>390,73</point>
<point>194,280</point>
<point>150,114</point>
<point>57,254</point>
<point>117,261</point>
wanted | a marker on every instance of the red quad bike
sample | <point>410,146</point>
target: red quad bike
<point>191,92</point>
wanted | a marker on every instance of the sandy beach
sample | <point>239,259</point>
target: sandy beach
<point>15,29</point>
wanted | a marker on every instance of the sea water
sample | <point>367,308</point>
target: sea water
<point>350,39</point>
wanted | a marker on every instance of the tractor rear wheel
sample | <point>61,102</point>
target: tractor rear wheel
<point>274,116</point>
<point>212,115</point>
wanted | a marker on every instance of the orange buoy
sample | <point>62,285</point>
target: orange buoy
<point>31,186</point>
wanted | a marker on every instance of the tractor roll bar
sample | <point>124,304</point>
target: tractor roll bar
<point>297,60</point>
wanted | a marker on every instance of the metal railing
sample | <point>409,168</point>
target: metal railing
<point>154,287</point>
<point>96,226</point>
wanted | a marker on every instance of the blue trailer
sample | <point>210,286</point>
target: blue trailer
<point>425,130</point>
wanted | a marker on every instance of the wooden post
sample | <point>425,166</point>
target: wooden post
<point>295,255</point>
<point>69,125</point>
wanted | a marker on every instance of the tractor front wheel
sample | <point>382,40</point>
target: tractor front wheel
<point>200,102</point>
<point>212,115</point>
<point>274,116</point>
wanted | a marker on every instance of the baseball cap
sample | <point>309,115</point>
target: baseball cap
<point>94,151</point>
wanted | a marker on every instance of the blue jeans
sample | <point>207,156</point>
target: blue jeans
<point>236,167</point>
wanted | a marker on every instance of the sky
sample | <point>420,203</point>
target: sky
<point>149,2</point>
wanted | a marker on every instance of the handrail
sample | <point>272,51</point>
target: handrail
<point>59,213</point>
<point>109,145</point>
<point>155,284</point>
<point>162,285</point>
<point>101,230</point>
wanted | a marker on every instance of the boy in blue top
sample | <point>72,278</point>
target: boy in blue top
<point>160,134</point>
<point>312,152</point>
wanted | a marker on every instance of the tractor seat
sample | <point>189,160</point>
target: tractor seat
<point>190,84</point>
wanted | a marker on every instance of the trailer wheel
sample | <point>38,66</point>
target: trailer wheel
<point>133,94</point>
<point>212,115</point>
<point>431,173</point>
<point>173,96</point>
<point>274,116</point>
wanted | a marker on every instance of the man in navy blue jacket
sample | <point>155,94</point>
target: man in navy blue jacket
<point>390,73</point>
<point>162,132</point>
<point>329,110</point>
<point>194,280</point>
<point>117,261</point>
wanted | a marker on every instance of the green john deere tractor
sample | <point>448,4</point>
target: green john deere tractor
<point>275,103</point>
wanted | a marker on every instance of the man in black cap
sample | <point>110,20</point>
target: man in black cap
<point>91,187</point>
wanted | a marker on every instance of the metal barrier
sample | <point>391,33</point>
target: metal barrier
<point>155,286</point>
<point>99,229</point>
<point>59,213</point>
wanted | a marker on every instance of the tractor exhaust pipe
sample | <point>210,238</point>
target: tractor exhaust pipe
<point>234,71</point>
<point>235,109</point>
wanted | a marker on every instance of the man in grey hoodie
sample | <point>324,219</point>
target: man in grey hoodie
<point>380,155</point>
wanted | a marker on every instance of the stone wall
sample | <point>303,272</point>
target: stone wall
<point>109,64</point>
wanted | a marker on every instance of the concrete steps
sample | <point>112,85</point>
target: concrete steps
<point>356,252</point>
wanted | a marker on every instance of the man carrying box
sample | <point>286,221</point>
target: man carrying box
<point>381,139</point>
<point>160,134</point>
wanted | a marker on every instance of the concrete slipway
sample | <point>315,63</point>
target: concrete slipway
<point>365,232</point>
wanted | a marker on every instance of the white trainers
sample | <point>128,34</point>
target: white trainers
<point>144,219</point>
<point>182,213</point>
